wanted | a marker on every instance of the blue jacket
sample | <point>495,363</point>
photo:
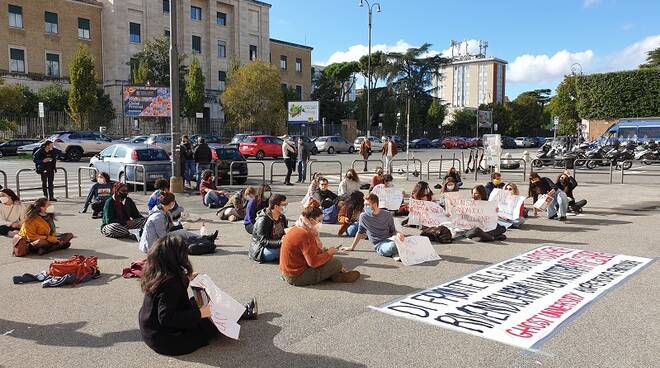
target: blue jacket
<point>154,200</point>
<point>41,154</point>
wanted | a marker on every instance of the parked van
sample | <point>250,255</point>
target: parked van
<point>642,129</point>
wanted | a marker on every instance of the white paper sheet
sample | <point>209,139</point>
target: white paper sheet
<point>225,310</point>
<point>415,250</point>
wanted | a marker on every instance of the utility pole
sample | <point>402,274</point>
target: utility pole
<point>370,7</point>
<point>176,181</point>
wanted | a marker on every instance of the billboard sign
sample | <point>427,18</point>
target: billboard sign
<point>485,118</point>
<point>147,101</point>
<point>303,112</point>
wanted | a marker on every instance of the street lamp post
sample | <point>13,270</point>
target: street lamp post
<point>576,70</point>
<point>176,181</point>
<point>370,7</point>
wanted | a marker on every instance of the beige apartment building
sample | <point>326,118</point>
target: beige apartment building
<point>295,64</point>
<point>39,38</point>
<point>471,82</point>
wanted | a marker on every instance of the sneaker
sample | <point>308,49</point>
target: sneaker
<point>52,200</point>
<point>563,218</point>
<point>553,217</point>
<point>251,310</point>
<point>500,237</point>
<point>211,237</point>
<point>346,277</point>
<point>396,259</point>
<point>96,215</point>
<point>438,186</point>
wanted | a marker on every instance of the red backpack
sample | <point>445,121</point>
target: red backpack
<point>84,268</point>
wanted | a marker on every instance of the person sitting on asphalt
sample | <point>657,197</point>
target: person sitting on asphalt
<point>254,205</point>
<point>269,230</point>
<point>211,196</point>
<point>387,182</point>
<point>495,182</point>
<point>12,213</point>
<point>235,208</point>
<point>120,215</point>
<point>162,186</point>
<point>349,214</point>
<point>455,175</point>
<point>39,228</point>
<point>377,225</point>
<point>305,222</point>
<point>203,157</point>
<point>326,196</point>
<point>159,223</point>
<point>350,184</point>
<point>170,322</point>
<point>312,190</point>
<point>513,189</point>
<point>302,258</point>
<point>376,179</point>
<point>98,194</point>
<point>449,185</point>
<point>421,192</point>
<point>541,185</point>
<point>479,194</point>
<point>567,183</point>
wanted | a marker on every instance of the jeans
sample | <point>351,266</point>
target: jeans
<point>214,200</point>
<point>352,229</point>
<point>387,248</point>
<point>47,178</point>
<point>302,171</point>
<point>200,169</point>
<point>388,164</point>
<point>559,205</point>
<point>189,170</point>
<point>270,255</point>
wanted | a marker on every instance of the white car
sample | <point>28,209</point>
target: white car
<point>73,144</point>
<point>376,144</point>
<point>524,142</point>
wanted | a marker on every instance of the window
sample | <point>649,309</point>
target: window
<point>53,65</point>
<point>166,33</point>
<point>461,85</point>
<point>483,84</point>
<point>499,91</point>
<point>83,28</point>
<point>649,132</point>
<point>285,88</point>
<point>166,6</point>
<point>196,45</point>
<point>627,132</point>
<point>120,152</point>
<point>253,52</point>
<point>283,60</point>
<point>15,16</point>
<point>222,77</point>
<point>51,22</point>
<point>195,13</point>
<point>17,61</point>
<point>299,93</point>
<point>221,18</point>
<point>298,65</point>
<point>222,49</point>
<point>134,32</point>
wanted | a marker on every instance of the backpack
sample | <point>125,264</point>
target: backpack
<point>330,214</point>
<point>84,268</point>
<point>438,234</point>
<point>21,246</point>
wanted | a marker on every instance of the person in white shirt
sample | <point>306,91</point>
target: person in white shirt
<point>289,154</point>
<point>350,184</point>
<point>389,152</point>
<point>12,213</point>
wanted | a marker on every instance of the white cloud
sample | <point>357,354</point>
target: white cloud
<point>627,26</point>
<point>633,55</point>
<point>590,3</point>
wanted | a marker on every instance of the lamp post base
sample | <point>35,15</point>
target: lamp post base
<point>176,184</point>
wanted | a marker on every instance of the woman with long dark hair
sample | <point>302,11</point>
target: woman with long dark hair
<point>12,213</point>
<point>256,204</point>
<point>350,184</point>
<point>40,230</point>
<point>349,214</point>
<point>170,322</point>
<point>539,186</point>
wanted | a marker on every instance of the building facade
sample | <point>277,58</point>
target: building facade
<point>294,62</point>
<point>39,38</point>
<point>471,82</point>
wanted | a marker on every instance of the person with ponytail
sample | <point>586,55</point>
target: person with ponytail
<point>40,230</point>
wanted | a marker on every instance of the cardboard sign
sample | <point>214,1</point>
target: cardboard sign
<point>522,300</point>
<point>452,198</point>
<point>466,213</point>
<point>389,198</point>
<point>426,213</point>
<point>225,310</point>
<point>508,205</point>
<point>544,201</point>
<point>415,250</point>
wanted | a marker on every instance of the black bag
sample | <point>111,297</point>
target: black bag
<point>199,246</point>
<point>438,234</point>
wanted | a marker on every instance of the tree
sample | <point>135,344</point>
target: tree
<point>254,98</point>
<point>652,60</point>
<point>332,88</point>
<point>342,76</point>
<point>12,100</point>
<point>105,111</point>
<point>526,116</point>
<point>54,97</point>
<point>563,105</point>
<point>379,65</point>
<point>464,122</point>
<point>501,115</point>
<point>152,64</point>
<point>436,115</point>
<point>82,95</point>
<point>195,89</point>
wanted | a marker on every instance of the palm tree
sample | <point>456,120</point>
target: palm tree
<point>653,59</point>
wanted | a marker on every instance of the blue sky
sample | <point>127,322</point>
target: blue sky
<point>539,39</point>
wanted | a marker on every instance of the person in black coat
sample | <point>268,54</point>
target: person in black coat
<point>45,162</point>
<point>268,231</point>
<point>567,183</point>
<point>203,157</point>
<point>187,156</point>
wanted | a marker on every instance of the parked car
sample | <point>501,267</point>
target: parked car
<point>261,146</point>
<point>10,147</point>
<point>376,143</point>
<point>155,160</point>
<point>163,141</point>
<point>436,143</point>
<point>136,139</point>
<point>29,149</point>
<point>538,141</point>
<point>453,142</point>
<point>311,146</point>
<point>332,144</point>
<point>400,143</point>
<point>508,142</point>
<point>524,142</point>
<point>223,156</point>
<point>237,139</point>
<point>420,143</point>
<point>74,144</point>
<point>210,138</point>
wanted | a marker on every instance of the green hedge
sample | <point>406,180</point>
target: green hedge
<point>628,94</point>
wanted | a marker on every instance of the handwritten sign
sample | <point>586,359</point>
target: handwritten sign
<point>452,198</point>
<point>508,205</point>
<point>468,213</point>
<point>522,300</point>
<point>426,213</point>
<point>415,250</point>
<point>225,310</point>
<point>389,198</point>
<point>544,201</point>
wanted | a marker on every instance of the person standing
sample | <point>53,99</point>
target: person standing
<point>389,152</point>
<point>45,162</point>
<point>188,159</point>
<point>303,157</point>
<point>288,152</point>
<point>365,151</point>
<point>202,156</point>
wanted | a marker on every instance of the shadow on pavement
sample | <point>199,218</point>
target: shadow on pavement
<point>535,241</point>
<point>594,222</point>
<point>65,334</point>
<point>558,229</point>
<point>462,260</point>
<point>257,350</point>
<point>366,286</point>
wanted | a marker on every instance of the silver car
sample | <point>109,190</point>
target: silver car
<point>376,143</point>
<point>332,144</point>
<point>114,161</point>
<point>163,141</point>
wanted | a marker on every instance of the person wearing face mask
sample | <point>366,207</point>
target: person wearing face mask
<point>450,185</point>
<point>98,194</point>
<point>567,183</point>
<point>188,159</point>
<point>254,205</point>
<point>12,213</point>
<point>235,208</point>
<point>350,184</point>
<point>454,175</point>
<point>211,196</point>
<point>479,194</point>
<point>45,162</point>
<point>269,230</point>
<point>120,214</point>
<point>377,225</point>
<point>302,258</point>
<point>39,228</point>
<point>495,182</point>
<point>387,182</point>
<point>159,224</point>
<point>377,179</point>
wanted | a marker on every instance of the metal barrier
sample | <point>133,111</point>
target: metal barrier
<point>645,162</point>
<point>581,163</point>
<point>135,182</point>
<point>382,164</point>
<point>413,161</point>
<point>442,160</point>
<point>231,171</point>
<point>341,167</point>
<point>271,170</point>
<point>80,169</point>
<point>548,165</point>
<point>65,186</point>
<point>4,176</point>
<point>514,171</point>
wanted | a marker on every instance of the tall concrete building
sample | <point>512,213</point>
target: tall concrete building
<point>39,38</point>
<point>295,64</point>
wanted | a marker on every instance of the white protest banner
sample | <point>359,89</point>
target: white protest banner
<point>452,198</point>
<point>508,205</point>
<point>225,310</point>
<point>426,213</point>
<point>522,300</point>
<point>389,198</point>
<point>415,250</point>
<point>468,213</point>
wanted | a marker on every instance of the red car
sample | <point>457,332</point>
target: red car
<point>261,146</point>
<point>453,142</point>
